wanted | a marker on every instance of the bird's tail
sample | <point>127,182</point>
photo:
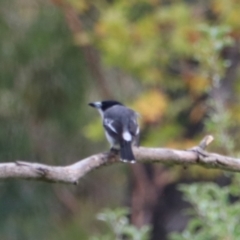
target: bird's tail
<point>126,152</point>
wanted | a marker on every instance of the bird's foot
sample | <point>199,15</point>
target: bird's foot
<point>114,151</point>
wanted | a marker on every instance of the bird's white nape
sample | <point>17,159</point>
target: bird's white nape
<point>100,111</point>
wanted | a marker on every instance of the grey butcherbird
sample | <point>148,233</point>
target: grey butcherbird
<point>121,127</point>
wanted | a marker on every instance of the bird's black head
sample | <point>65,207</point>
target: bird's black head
<point>104,105</point>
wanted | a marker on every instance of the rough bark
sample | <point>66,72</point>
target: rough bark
<point>74,172</point>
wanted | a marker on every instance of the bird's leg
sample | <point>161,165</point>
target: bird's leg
<point>114,150</point>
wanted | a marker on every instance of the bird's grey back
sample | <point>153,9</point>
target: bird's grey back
<point>119,113</point>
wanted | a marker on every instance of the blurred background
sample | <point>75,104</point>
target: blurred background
<point>176,62</point>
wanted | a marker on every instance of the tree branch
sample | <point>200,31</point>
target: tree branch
<point>72,173</point>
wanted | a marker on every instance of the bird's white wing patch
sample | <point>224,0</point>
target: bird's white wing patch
<point>108,122</point>
<point>138,130</point>
<point>127,136</point>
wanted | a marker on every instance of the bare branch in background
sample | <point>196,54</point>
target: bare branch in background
<point>90,53</point>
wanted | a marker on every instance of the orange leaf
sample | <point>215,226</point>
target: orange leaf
<point>151,106</point>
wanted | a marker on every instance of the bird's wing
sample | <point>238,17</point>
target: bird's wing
<point>112,125</point>
<point>121,121</point>
<point>133,126</point>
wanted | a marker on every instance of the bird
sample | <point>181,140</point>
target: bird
<point>121,127</point>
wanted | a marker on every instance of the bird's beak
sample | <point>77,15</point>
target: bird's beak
<point>92,105</point>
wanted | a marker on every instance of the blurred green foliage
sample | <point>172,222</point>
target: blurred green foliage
<point>176,50</point>
<point>120,227</point>
<point>168,56</point>
<point>215,212</point>
<point>178,64</point>
<point>43,82</point>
